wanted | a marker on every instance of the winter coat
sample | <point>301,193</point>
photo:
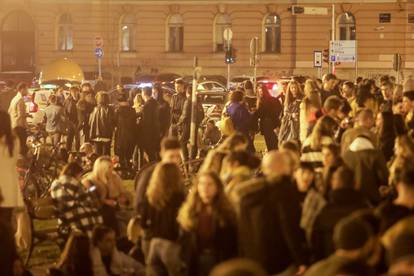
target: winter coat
<point>149,124</point>
<point>351,134</point>
<point>390,213</point>
<point>177,104</point>
<point>268,114</point>
<point>164,111</point>
<point>369,167</point>
<point>184,122</point>
<point>240,117</point>
<point>126,128</point>
<point>84,110</point>
<point>289,129</point>
<point>162,223</point>
<point>342,202</point>
<point>70,111</point>
<point>223,247</point>
<point>268,219</point>
<point>102,123</point>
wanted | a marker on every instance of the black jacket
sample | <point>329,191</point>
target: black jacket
<point>70,110</point>
<point>162,223</point>
<point>184,121</point>
<point>269,114</point>
<point>164,116</point>
<point>141,184</point>
<point>150,124</point>
<point>102,122</point>
<point>389,213</point>
<point>269,217</point>
<point>126,128</point>
<point>84,110</point>
<point>342,202</point>
<point>370,171</point>
<point>177,104</point>
<point>223,247</point>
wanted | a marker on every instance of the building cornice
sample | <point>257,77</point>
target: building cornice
<point>215,2</point>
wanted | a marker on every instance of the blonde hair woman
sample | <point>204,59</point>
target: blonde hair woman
<point>310,105</point>
<point>289,129</point>
<point>108,187</point>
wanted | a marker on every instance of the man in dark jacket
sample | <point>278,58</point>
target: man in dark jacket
<point>329,87</point>
<point>184,123</point>
<point>149,125</point>
<point>177,104</point>
<point>353,239</point>
<point>71,115</point>
<point>343,200</point>
<point>126,129</point>
<point>391,212</point>
<point>268,214</point>
<point>369,167</point>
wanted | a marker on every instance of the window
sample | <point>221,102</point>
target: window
<point>345,29</point>
<point>271,34</point>
<point>221,22</point>
<point>17,42</point>
<point>127,33</point>
<point>175,30</point>
<point>65,34</point>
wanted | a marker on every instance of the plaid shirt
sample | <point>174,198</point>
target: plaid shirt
<point>76,207</point>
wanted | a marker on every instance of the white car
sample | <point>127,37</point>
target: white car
<point>211,86</point>
<point>36,101</point>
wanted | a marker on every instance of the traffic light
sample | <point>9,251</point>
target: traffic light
<point>325,55</point>
<point>230,56</point>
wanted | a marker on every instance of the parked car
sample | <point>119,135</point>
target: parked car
<point>211,86</point>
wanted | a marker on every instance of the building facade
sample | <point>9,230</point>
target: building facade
<point>164,36</point>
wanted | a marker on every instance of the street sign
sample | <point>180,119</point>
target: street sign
<point>99,52</point>
<point>342,51</point>
<point>317,59</point>
<point>227,35</point>
<point>308,10</point>
<point>315,11</point>
<point>98,41</point>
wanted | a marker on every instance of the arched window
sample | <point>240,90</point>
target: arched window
<point>175,32</point>
<point>127,33</point>
<point>65,34</point>
<point>221,22</point>
<point>17,42</point>
<point>345,29</point>
<point>271,33</point>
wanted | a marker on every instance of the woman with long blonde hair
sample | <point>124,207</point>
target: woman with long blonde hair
<point>209,225</point>
<point>310,105</point>
<point>289,129</point>
<point>107,185</point>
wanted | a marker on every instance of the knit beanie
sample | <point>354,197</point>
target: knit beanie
<point>351,233</point>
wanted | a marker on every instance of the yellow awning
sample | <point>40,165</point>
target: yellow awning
<point>61,69</point>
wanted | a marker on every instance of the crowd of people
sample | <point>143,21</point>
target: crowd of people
<point>332,195</point>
